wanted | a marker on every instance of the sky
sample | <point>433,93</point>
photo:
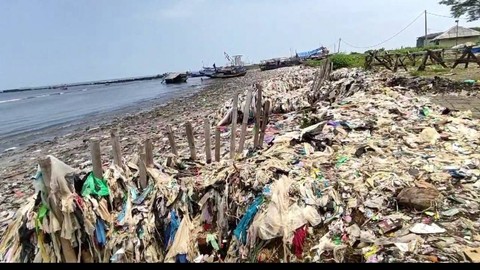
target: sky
<point>45,42</point>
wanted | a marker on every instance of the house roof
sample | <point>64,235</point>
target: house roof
<point>430,36</point>
<point>462,32</point>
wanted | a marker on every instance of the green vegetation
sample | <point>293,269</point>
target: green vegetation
<point>314,63</point>
<point>458,74</point>
<point>341,60</point>
<point>416,49</point>
<point>458,8</point>
<point>430,71</point>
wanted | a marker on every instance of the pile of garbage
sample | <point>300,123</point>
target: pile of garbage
<point>380,175</point>
<point>295,91</point>
<point>434,85</point>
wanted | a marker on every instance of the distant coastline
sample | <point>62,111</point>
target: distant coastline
<point>111,81</point>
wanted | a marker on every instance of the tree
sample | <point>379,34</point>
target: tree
<point>471,8</point>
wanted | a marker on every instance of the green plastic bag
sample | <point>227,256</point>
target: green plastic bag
<point>42,213</point>
<point>341,161</point>
<point>95,186</point>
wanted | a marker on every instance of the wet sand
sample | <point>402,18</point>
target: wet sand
<point>18,166</point>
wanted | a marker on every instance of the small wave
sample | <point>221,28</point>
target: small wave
<point>31,97</point>
<point>10,100</point>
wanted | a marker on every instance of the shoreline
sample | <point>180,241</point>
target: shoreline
<point>47,132</point>
<point>19,165</point>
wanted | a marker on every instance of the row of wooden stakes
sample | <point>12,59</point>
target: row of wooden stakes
<point>146,154</point>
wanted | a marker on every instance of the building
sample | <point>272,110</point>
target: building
<point>451,37</point>
<point>421,40</point>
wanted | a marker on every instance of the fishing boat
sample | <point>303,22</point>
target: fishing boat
<point>175,78</point>
<point>206,71</point>
<point>228,72</point>
<point>194,74</point>
<point>279,63</point>
<point>235,69</point>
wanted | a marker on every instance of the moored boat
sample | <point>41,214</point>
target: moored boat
<point>228,72</point>
<point>176,78</point>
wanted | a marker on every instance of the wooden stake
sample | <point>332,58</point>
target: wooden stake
<point>208,150</point>
<point>264,123</point>
<point>234,125</point>
<point>258,115</point>
<point>116,148</point>
<point>148,153</point>
<point>217,144</point>
<point>191,140</point>
<point>45,167</point>
<point>96,158</point>
<point>171,139</point>
<point>142,171</point>
<point>246,113</point>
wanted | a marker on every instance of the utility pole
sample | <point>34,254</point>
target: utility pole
<point>456,38</point>
<point>334,47</point>
<point>425,41</point>
<point>339,42</point>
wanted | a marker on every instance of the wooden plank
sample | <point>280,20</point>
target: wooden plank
<point>148,153</point>
<point>96,158</point>
<point>401,61</point>
<point>208,149</point>
<point>384,62</point>
<point>459,60</point>
<point>116,148</point>
<point>171,139</point>
<point>475,58</point>
<point>438,58</point>
<point>234,125</point>
<point>258,115</point>
<point>266,113</point>
<point>424,62</point>
<point>217,144</point>
<point>246,114</point>
<point>45,167</point>
<point>142,171</point>
<point>191,140</point>
<point>395,66</point>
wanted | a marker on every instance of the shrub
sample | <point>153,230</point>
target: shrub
<point>342,60</point>
<point>314,63</point>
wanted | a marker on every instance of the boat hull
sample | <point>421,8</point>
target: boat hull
<point>178,79</point>
<point>226,76</point>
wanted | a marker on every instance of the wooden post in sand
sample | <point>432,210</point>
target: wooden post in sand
<point>258,115</point>
<point>116,148</point>
<point>171,139</point>
<point>264,123</point>
<point>208,149</point>
<point>142,171</point>
<point>191,140</point>
<point>246,113</point>
<point>148,153</point>
<point>217,144</point>
<point>234,125</point>
<point>96,158</point>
